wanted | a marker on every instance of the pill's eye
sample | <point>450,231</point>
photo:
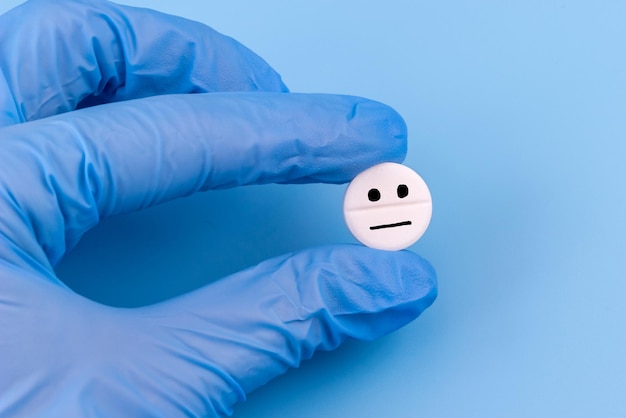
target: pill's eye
<point>373,195</point>
<point>403,191</point>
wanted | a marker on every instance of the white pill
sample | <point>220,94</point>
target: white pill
<point>387,207</point>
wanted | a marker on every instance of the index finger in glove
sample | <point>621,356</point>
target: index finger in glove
<point>61,175</point>
<point>56,56</point>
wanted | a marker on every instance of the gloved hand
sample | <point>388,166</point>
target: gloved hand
<point>62,170</point>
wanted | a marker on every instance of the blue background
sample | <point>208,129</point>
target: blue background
<point>517,121</point>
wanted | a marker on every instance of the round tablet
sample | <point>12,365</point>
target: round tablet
<point>387,207</point>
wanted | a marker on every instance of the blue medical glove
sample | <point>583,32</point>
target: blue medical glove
<point>62,170</point>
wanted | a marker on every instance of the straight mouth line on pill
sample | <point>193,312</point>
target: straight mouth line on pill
<point>390,225</point>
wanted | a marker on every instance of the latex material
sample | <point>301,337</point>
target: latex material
<point>196,355</point>
<point>387,207</point>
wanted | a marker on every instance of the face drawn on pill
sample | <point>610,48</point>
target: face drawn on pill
<point>387,207</point>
